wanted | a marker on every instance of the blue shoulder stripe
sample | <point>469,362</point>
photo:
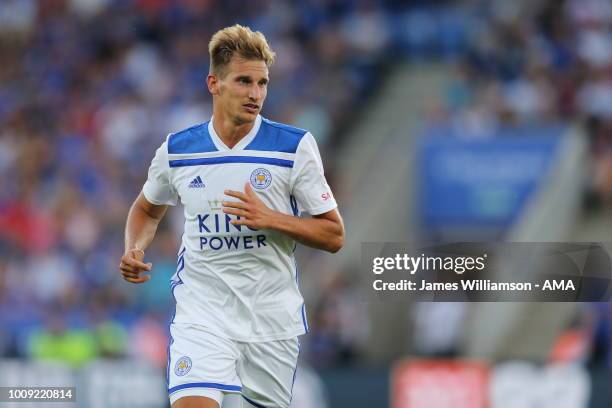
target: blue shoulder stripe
<point>276,137</point>
<point>195,139</point>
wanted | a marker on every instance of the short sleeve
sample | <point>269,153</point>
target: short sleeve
<point>158,189</point>
<point>309,186</point>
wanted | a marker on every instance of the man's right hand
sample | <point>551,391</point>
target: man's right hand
<point>133,268</point>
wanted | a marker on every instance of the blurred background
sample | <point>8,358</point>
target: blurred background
<point>473,120</point>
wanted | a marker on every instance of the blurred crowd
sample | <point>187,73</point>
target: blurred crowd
<point>536,64</point>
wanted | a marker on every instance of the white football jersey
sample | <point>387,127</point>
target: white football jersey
<point>236,281</point>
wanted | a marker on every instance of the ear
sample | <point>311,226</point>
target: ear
<point>212,82</point>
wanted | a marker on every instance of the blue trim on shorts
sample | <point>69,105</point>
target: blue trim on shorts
<point>253,403</point>
<point>217,386</point>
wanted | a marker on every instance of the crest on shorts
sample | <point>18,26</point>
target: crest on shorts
<point>261,178</point>
<point>182,366</point>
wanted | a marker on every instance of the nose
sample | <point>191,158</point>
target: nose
<point>254,93</point>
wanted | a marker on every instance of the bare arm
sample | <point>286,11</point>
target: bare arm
<point>324,231</point>
<point>141,225</point>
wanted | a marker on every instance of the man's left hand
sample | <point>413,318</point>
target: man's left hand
<point>252,211</point>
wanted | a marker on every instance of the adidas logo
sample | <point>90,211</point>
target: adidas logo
<point>197,183</point>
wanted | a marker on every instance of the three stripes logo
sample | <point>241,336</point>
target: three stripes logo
<point>197,183</point>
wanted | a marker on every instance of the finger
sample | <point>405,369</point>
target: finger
<point>242,221</point>
<point>234,204</point>
<point>239,213</point>
<point>138,280</point>
<point>139,267</point>
<point>251,194</point>
<point>131,271</point>
<point>236,194</point>
<point>134,263</point>
<point>126,269</point>
<point>132,276</point>
<point>249,190</point>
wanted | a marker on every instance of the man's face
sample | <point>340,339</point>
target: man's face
<point>241,92</point>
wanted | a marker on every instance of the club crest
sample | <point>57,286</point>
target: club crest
<point>182,366</point>
<point>261,178</point>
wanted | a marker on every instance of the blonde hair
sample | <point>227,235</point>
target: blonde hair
<point>238,40</point>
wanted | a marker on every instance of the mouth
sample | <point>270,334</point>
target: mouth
<point>251,107</point>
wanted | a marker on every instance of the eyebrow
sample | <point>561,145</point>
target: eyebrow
<point>248,78</point>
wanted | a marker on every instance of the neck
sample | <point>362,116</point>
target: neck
<point>229,131</point>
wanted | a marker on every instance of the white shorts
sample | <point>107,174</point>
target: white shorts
<point>201,363</point>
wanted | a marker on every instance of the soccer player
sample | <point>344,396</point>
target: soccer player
<point>242,180</point>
